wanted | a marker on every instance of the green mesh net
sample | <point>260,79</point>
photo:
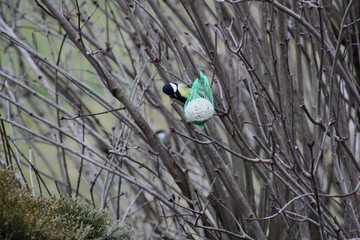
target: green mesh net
<point>199,106</point>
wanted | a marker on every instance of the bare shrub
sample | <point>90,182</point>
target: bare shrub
<point>81,101</point>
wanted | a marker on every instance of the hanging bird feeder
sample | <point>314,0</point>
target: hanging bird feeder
<point>199,106</point>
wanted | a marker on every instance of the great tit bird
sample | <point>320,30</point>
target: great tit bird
<point>163,137</point>
<point>179,92</point>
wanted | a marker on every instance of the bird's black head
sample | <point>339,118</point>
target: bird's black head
<point>170,89</point>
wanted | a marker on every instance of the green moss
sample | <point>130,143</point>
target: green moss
<point>24,216</point>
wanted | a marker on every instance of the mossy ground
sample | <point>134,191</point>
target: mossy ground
<point>25,216</point>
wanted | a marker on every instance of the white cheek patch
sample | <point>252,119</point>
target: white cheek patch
<point>161,135</point>
<point>174,87</point>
